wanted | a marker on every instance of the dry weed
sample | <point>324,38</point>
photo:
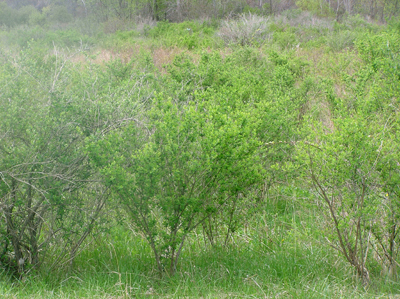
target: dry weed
<point>246,30</point>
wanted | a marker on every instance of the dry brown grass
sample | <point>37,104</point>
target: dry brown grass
<point>163,56</point>
<point>101,56</point>
<point>333,66</point>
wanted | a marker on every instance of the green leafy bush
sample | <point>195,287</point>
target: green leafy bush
<point>37,19</point>
<point>188,34</point>
<point>342,171</point>
<point>285,40</point>
<point>320,8</point>
<point>186,163</point>
<point>340,40</point>
<point>67,38</point>
<point>12,17</point>
<point>58,14</point>
<point>42,166</point>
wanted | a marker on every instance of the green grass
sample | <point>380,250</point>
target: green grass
<point>271,259</point>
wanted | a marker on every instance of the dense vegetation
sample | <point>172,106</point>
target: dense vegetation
<point>256,155</point>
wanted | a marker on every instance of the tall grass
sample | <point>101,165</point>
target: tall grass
<point>270,258</point>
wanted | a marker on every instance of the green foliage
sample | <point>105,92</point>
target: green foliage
<point>37,19</point>
<point>381,56</point>
<point>30,15</point>
<point>381,51</point>
<point>341,168</point>
<point>269,147</point>
<point>58,14</point>
<point>188,34</point>
<point>357,150</point>
<point>395,24</point>
<point>26,13</point>
<point>46,211</point>
<point>182,166</point>
<point>67,38</point>
<point>285,36</point>
<point>37,36</point>
<point>340,40</point>
<point>252,10</point>
<point>126,35</point>
<point>318,7</point>
<point>34,160</point>
<point>358,23</point>
<point>10,17</point>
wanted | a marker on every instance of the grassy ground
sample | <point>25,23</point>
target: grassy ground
<point>275,257</point>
